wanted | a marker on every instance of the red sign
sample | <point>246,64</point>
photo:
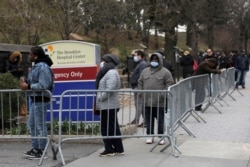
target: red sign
<point>75,73</point>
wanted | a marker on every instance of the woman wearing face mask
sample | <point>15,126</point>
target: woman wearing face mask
<point>155,77</point>
<point>108,104</point>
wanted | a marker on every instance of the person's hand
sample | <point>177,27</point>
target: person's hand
<point>23,85</point>
<point>219,71</point>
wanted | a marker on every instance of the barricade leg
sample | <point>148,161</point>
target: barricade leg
<point>172,143</point>
<point>186,128</point>
<point>44,152</point>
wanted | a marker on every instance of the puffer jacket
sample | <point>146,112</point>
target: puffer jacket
<point>108,100</point>
<point>158,78</point>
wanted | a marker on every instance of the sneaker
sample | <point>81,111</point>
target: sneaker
<point>119,153</point>
<point>105,154</point>
<point>38,157</point>
<point>162,142</point>
<point>32,153</point>
<point>149,140</point>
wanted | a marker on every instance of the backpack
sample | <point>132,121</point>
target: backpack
<point>195,65</point>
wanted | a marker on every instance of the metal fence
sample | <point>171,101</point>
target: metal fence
<point>75,119</point>
<point>14,110</point>
<point>74,103</point>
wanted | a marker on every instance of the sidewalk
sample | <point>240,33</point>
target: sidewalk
<point>224,141</point>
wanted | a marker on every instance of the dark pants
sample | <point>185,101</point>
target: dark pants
<point>152,113</point>
<point>110,127</point>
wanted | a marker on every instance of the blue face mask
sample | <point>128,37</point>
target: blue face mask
<point>136,59</point>
<point>154,64</point>
<point>101,64</point>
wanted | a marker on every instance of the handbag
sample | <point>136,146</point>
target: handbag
<point>96,112</point>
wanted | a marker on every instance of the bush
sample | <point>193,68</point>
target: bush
<point>10,102</point>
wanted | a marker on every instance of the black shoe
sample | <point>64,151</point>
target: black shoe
<point>32,153</point>
<point>198,109</point>
<point>105,154</point>
<point>243,87</point>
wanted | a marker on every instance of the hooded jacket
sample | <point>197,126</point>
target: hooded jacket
<point>152,78</point>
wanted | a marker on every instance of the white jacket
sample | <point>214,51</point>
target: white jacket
<point>108,100</point>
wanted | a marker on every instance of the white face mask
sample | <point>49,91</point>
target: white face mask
<point>101,64</point>
<point>154,64</point>
<point>136,59</point>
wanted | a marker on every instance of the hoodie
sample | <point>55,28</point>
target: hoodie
<point>155,78</point>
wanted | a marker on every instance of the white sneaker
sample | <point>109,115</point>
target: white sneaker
<point>150,140</point>
<point>162,142</point>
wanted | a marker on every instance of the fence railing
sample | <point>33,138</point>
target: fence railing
<point>14,115</point>
<point>76,120</point>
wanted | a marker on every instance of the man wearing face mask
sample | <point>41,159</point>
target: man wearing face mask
<point>155,77</point>
<point>140,65</point>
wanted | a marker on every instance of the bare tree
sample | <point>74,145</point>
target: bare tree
<point>27,22</point>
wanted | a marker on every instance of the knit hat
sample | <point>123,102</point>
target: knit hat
<point>15,56</point>
<point>111,58</point>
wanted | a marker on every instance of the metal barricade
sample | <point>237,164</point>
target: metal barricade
<point>231,83</point>
<point>80,103</point>
<point>14,106</point>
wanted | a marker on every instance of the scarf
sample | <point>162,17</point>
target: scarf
<point>103,71</point>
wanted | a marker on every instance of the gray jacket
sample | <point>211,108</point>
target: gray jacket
<point>158,78</point>
<point>105,100</point>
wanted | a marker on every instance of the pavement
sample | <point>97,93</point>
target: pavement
<point>224,141</point>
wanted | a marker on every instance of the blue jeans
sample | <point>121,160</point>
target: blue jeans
<point>37,124</point>
<point>152,113</point>
<point>241,78</point>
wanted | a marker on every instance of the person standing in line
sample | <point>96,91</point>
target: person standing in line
<point>140,65</point>
<point>166,64</point>
<point>155,77</point>
<point>14,67</point>
<point>242,67</point>
<point>206,67</point>
<point>108,104</point>
<point>40,78</point>
<point>187,63</point>
<point>210,54</point>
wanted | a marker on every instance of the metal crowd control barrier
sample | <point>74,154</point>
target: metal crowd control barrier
<point>218,89</point>
<point>75,100</point>
<point>190,92</point>
<point>200,90</point>
<point>231,83</point>
<point>14,105</point>
<point>182,99</point>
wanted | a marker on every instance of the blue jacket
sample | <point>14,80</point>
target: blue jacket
<point>141,65</point>
<point>41,77</point>
<point>242,63</point>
